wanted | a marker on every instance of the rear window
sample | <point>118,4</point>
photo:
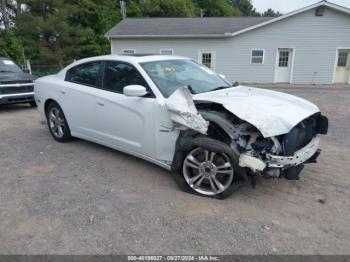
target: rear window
<point>85,74</point>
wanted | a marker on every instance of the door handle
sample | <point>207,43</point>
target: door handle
<point>100,103</point>
<point>63,92</point>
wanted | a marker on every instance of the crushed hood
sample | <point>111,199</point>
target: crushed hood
<point>272,113</point>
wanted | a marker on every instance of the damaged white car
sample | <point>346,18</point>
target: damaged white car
<point>182,116</point>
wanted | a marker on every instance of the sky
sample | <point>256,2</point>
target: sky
<point>285,6</point>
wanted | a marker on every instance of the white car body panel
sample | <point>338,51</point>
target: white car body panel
<point>137,126</point>
<point>125,121</point>
<point>144,127</point>
<point>79,101</point>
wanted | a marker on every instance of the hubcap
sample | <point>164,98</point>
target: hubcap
<point>56,122</point>
<point>208,173</point>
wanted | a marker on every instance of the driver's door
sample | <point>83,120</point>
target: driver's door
<point>123,122</point>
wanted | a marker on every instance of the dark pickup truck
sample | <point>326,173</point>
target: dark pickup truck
<point>15,85</point>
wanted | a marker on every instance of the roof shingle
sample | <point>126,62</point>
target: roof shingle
<point>183,26</point>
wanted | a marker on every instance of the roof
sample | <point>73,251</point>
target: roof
<point>201,27</point>
<point>125,58</point>
<point>184,26</point>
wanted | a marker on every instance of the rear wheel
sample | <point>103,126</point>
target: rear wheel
<point>57,123</point>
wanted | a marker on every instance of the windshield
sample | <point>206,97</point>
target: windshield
<point>8,66</point>
<point>169,75</point>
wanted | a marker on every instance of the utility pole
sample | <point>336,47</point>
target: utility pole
<point>123,8</point>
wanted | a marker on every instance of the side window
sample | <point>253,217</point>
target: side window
<point>117,75</point>
<point>85,74</point>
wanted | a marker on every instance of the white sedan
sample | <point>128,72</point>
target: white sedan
<point>182,116</point>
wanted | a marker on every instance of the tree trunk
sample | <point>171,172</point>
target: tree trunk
<point>4,15</point>
<point>18,11</point>
<point>18,7</point>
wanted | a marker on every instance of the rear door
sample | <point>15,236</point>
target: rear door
<point>79,98</point>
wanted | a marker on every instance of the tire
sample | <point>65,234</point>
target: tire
<point>57,123</point>
<point>200,171</point>
<point>32,104</point>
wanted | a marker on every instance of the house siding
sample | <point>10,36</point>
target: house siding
<point>314,39</point>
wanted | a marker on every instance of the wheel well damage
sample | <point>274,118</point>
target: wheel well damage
<point>252,153</point>
<point>189,139</point>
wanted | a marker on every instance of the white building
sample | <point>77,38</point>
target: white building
<point>307,46</point>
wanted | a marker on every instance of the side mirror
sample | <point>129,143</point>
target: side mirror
<point>135,90</point>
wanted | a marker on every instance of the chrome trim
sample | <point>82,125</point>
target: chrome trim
<point>298,158</point>
<point>17,95</point>
<point>17,85</point>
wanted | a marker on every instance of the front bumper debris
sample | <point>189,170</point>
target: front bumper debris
<point>300,156</point>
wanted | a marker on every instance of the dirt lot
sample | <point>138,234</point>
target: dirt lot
<point>82,198</point>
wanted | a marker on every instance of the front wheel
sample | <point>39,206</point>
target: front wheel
<point>208,169</point>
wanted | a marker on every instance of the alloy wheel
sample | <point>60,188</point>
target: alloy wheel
<point>208,173</point>
<point>56,122</point>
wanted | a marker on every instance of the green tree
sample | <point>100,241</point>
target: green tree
<point>59,31</point>
<point>134,8</point>
<point>96,16</point>
<point>11,46</point>
<point>216,8</point>
<point>271,13</point>
<point>168,8</point>
<point>47,33</point>
<point>245,6</point>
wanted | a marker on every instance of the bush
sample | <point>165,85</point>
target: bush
<point>11,46</point>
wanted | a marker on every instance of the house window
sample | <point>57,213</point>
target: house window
<point>342,59</point>
<point>128,51</point>
<point>283,59</point>
<point>166,51</point>
<point>207,58</point>
<point>257,57</point>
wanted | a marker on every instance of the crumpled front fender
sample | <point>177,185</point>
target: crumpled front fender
<point>183,111</point>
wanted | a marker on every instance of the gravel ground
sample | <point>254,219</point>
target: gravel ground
<point>82,198</point>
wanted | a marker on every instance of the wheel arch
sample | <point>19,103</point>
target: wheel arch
<point>48,102</point>
<point>219,129</point>
<point>187,141</point>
